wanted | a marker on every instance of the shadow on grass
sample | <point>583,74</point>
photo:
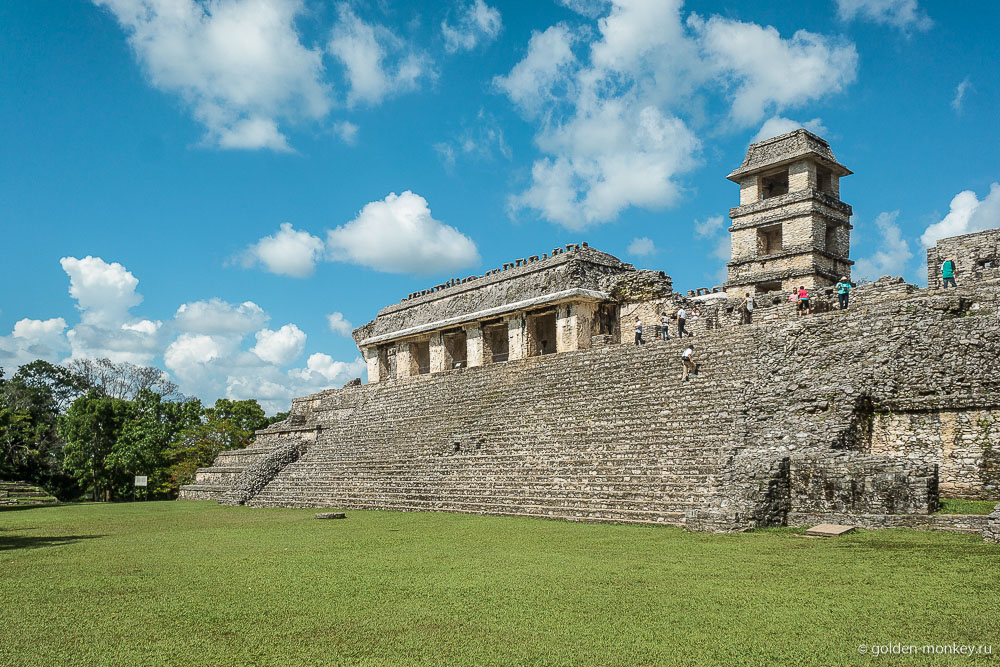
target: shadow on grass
<point>14,508</point>
<point>9,542</point>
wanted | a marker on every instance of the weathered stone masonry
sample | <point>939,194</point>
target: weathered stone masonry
<point>863,416</point>
<point>777,427</point>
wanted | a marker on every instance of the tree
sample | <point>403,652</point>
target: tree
<point>122,380</point>
<point>90,429</point>
<point>30,447</point>
<point>142,447</point>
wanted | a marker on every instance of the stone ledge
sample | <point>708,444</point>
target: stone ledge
<point>962,523</point>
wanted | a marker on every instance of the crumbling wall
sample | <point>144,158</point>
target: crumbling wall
<point>775,425</point>
<point>976,256</point>
<point>991,532</point>
<point>851,483</point>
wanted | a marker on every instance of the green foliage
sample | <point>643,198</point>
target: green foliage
<point>30,447</point>
<point>224,426</point>
<point>199,584</point>
<point>95,425</point>
<point>91,428</point>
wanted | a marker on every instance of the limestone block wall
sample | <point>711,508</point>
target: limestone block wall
<point>776,424</point>
<point>977,257</point>
<point>963,443</point>
<point>850,483</point>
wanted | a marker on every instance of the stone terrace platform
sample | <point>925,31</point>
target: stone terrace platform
<point>778,425</point>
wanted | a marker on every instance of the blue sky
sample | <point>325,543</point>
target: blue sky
<point>222,188</point>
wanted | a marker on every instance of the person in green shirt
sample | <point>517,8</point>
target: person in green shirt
<point>948,272</point>
<point>843,292</point>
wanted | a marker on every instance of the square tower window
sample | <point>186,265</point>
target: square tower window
<point>769,240</point>
<point>824,180</point>
<point>774,184</point>
<point>765,288</point>
<point>831,240</point>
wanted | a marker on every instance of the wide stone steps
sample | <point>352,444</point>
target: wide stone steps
<point>617,437</point>
<point>607,470</point>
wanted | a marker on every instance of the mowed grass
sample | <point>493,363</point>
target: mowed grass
<point>962,506</point>
<point>178,583</point>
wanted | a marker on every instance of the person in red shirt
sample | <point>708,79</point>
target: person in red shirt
<point>803,302</point>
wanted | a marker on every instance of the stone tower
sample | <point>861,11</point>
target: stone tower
<point>790,228</point>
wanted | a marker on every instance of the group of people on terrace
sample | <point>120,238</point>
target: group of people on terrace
<point>799,296</point>
<point>681,317</point>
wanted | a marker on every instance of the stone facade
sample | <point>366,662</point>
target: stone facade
<point>976,257</point>
<point>790,229</point>
<point>784,423</point>
<point>519,392</point>
<point>531,307</point>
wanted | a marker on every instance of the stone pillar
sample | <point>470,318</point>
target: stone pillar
<point>371,360</point>
<point>438,354</point>
<point>404,363</point>
<point>473,345</point>
<point>574,325</point>
<point>584,313</point>
<point>517,347</point>
<point>565,341</point>
<point>801,175</point>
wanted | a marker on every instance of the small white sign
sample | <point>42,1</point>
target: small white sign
<point>140,480</point>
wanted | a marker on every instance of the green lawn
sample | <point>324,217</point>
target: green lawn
<point>960,506</point>
<point>176,583</point>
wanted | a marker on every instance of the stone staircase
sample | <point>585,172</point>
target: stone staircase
<point>545,437</point>
<point>22,493</point>
<point>211,483</point>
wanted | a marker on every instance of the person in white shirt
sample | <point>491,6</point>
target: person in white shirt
<point>664,327</point>
<point>681,320</point>
<point>687,362</point>
<point>746,309</point>
<point>638,331</point>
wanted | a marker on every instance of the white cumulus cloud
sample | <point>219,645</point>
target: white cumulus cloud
<point>322,368</point>
<point>339,325</point>
<point>967,214</point>
<point>615,129</point>
<point>105,294</point>
<point>477,22</point>
<point>745,54</point>
<point>533,80</point>
<point>377,62</point>
<point>905,15</point>
<point>33,339</point>
<point>280,347</point>
<point>238,64</point>
<point>216,316</point>
<point>399,235</point>
<point>288,252</point>
<point>642,246</point>
<point>893,253</point>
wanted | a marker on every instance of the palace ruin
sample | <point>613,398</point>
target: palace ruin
<point>515,392</point>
